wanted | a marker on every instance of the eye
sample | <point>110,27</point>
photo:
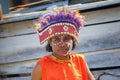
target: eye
<point>67,38</point>
<point>56,39</point>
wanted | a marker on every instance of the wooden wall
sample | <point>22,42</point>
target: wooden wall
<point>99,41</point>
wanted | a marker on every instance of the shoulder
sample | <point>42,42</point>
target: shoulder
<point>79,55</point>
<point>46,60</point>
<point>36,73</point>
<point>43,58</point>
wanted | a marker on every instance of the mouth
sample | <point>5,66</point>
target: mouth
<point>63,49</point>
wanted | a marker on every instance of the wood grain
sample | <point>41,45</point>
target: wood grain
<point>92,38</point>
<point>92,17</point>
<point>96,60</point>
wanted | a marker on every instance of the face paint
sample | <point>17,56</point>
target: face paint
<point>67,44</point>
<point>62,44</point>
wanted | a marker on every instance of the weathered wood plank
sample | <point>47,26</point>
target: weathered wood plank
<point>103,59</point>
<point>101,16</point>
<point>99,37</point>
<point>22,46</point>
<point>29,4</point>
<point>42,7</point>
<point>87,6</point>
<point>21,50</point>
<point>18,28</point>
<point>95,60</point>
<point>110,74</point>
<point>92,17</point>
<point>22,67</point>
<point>95,5</point>
<point>92,38</point>
<point>17,78</point>
<point>82,7</point>
<point>99,75</point>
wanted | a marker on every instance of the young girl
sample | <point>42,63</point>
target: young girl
<point>60,29</point>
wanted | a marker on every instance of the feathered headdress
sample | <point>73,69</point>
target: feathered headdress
<point>59,21</point>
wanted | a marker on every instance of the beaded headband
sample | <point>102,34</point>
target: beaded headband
<point>59,21</point>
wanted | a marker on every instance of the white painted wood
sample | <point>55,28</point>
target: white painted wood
<point>92,38</point>
<point>17,28</point>
<point>103,59</point>
<point>20,51</point>
<point>107,76</point>
<point>94,5</point>
<point>95,60</point>
<point>99,37</point>
<point>20,48</point>
<point>92,17</point>
<point>103,15</point>
<point>22,67</point>
<point>17,78</point>
<point>82,7</point>
<point>96,74</point>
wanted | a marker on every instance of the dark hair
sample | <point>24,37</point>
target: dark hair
<point>49,48</point>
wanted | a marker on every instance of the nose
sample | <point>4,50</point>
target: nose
<point>62,44</point>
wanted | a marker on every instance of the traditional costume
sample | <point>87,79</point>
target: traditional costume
<point>61,21</point>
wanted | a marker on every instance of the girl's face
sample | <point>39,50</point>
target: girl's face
<point>61,44</point>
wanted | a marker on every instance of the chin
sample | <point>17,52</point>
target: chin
<point>65,53</point>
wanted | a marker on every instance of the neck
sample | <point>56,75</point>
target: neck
<point>61,57</point>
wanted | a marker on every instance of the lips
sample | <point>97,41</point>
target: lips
<point>63,49</point>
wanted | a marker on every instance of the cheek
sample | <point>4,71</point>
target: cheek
<point>54,46</point>
<point>70,45</point>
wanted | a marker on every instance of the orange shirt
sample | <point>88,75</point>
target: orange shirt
<point>54,69</point>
